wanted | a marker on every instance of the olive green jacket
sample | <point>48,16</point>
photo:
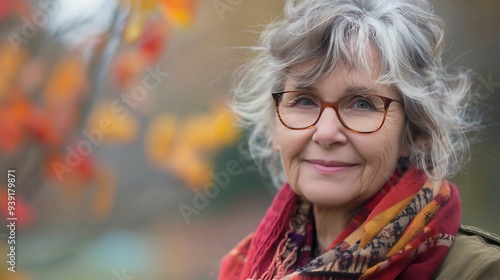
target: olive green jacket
<point>475,254</point>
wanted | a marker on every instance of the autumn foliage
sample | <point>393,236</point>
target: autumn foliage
<point>51,105</point>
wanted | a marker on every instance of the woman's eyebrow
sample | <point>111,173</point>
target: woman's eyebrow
<point>360,90</point>
<point>349,90</point>
<point>305,87</point>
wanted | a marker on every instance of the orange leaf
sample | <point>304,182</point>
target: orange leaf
<point>10,64</point>
<point>20,107</point>
<point>180,12</point>
<point>20,116</point>
<point>67,81</point>
<point>127,67</point>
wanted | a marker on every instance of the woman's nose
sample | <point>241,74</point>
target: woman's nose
<point>329,129</point>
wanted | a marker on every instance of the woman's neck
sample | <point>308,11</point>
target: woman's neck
<point>330,222</point>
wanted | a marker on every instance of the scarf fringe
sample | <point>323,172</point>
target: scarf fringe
<point>278,267</point>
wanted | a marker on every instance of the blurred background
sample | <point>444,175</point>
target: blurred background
<point>114,116</point>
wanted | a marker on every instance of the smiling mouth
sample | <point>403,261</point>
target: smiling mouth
<point>323,166</point>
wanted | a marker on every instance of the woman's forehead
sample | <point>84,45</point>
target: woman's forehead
<point>367,65</point>
<point>298,77</point>
<point>340,80</point>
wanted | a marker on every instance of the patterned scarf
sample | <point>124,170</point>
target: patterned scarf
<point>404,231</point>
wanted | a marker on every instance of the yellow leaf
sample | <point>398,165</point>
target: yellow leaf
<point>188,165</point>
<point>113,126</point>
<point>160,138</point>
<point>141,10</point>
<point>224,130</point>
<point>134,27</point>
<point>197,132</point>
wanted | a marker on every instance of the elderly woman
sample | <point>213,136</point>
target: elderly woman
<point>350,108</point>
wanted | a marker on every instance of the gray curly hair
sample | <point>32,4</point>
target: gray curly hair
<point>409,38</point>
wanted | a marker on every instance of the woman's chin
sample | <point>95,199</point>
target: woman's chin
<point>327,197</point>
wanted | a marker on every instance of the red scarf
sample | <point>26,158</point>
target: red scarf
<point>404,231</point>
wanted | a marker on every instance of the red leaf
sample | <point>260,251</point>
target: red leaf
<point>151,43</point>
<point>14,115</point>
<point>71,169</point>
<point>43,129</point>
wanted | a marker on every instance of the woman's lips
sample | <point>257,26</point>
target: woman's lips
<point>325,166</point>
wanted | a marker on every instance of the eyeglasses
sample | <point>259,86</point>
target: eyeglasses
<point>359,113</point>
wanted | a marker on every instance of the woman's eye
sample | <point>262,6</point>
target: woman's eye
<point>305,101</point>
<point>363,104</point>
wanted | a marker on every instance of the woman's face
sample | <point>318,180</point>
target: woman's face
<point>330,165</point>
